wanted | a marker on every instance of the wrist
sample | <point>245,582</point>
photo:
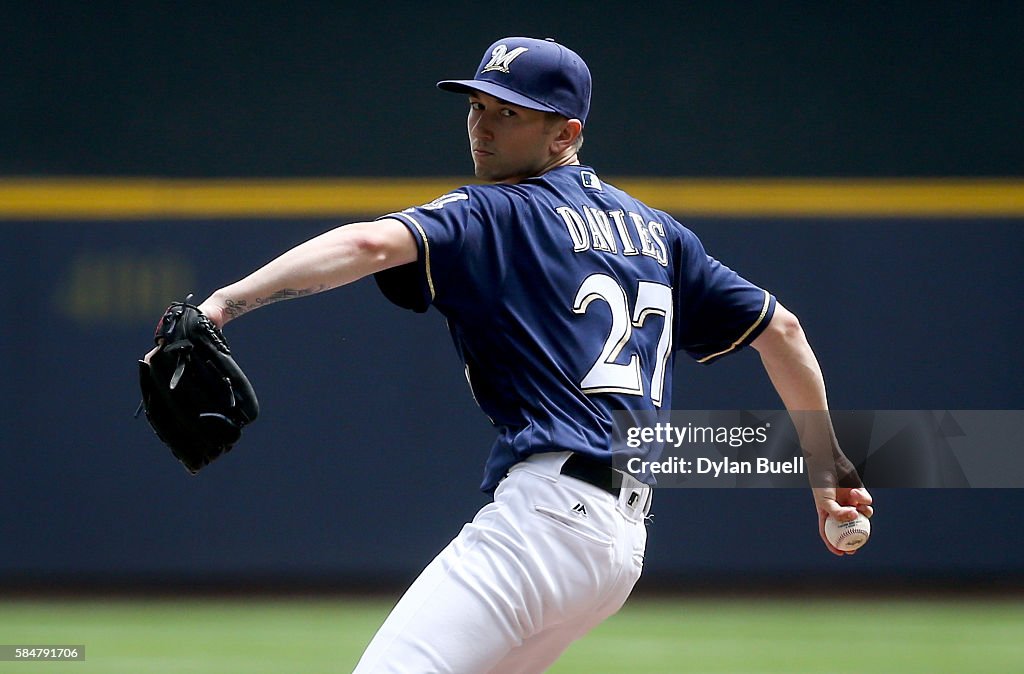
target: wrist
<point>215,308</point>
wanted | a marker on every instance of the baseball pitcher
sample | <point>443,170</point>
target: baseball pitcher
<point>567,299</point>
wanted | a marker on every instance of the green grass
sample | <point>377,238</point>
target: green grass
<point>256,636</point>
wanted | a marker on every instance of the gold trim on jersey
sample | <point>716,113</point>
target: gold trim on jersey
<point>426,251</point>
<point>764,312</point>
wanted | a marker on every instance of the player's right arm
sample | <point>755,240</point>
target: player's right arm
<point>330,260</point>
<point>794,371</point>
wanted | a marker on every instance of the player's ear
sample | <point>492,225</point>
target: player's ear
<point>567,135</point>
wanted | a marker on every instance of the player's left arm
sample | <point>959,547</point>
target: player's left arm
<point>332,259</point>
<point>796,375</point>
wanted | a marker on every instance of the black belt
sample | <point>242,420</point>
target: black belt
<point>593,472</point>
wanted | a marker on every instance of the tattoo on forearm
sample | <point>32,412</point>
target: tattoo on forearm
<point>287,294</point>
<point>235,308</point>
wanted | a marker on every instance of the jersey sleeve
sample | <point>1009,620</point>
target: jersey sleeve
<point>440,230</point>
<point>718,312</point>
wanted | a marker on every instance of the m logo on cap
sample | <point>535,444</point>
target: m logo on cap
<point>502,58</point>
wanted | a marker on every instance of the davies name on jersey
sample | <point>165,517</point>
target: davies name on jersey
<point>596,229</point>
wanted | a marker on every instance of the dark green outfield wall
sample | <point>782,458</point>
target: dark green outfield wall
<point>344,88</point>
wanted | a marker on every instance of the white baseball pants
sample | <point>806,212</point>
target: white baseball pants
<point>548,560</point>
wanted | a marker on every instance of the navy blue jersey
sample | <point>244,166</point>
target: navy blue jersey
<point>566,299</point>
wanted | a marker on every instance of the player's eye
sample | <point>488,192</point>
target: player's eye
<point>476,105</point>
<point>507,112</point>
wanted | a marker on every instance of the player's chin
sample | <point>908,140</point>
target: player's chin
<point>482,164</point>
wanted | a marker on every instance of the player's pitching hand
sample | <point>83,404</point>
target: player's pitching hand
<point>842,504</point>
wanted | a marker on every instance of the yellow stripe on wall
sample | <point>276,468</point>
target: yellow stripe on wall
<point>834,198</point>
<point>98,198</point>
<point>139,198</point>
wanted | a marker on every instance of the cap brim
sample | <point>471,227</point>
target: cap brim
<point>496,90</point>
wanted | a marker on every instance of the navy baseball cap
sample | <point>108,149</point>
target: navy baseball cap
<point>536,74</point>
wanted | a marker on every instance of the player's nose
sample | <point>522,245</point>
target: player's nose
<point>479,129</point>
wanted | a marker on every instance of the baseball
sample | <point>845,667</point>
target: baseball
<point>848,535</point>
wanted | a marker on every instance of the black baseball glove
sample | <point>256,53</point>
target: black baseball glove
<point>196,397</point>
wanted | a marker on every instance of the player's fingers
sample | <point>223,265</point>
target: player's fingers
<point>860,496</point>
<point>832,508</point>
